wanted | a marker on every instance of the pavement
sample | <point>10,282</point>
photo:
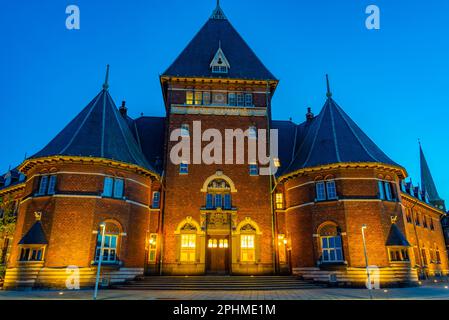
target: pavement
<point>426,291</point>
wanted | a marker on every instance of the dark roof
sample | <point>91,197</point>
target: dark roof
<point>35,235</point>
<point>396,238</point>
<point>150,135</point>
<point>100,131</point>
<point>333,137</point>
<point>195,59</point>
<point>426,178</point>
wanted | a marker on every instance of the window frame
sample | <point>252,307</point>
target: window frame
<point>248,248</point>
<point>156,200</point>
<point>107,248</point>
<point>334,249</point>
<point>188,247</point>
<point>253,169</point>
<point>183,168</point>
<point>279,200</point>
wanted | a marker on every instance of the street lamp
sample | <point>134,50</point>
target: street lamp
<point>366,256</point>
<point>100,258</point>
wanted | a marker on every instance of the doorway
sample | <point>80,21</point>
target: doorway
<point>218,254</point>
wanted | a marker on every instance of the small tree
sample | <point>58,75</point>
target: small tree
<point>7,222</point>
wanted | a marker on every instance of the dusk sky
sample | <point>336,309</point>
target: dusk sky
<point>393,82</point>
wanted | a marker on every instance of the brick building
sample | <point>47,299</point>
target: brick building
<point>106,173</point>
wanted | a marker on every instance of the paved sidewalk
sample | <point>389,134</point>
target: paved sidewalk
<point>439,291</point>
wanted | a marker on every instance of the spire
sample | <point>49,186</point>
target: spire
<point>218,13</point>
<point>106,80</point>
<point>329,93</point>
<point>427,182</point>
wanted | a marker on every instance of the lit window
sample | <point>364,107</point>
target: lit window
<point>320,192</point>
<point>188,247</point>
<point>279,201</point>
<point>31,254</point>
<point>156,199</point>
<point>253,170</point>
<point>198,97</point>
<point>47,185</point>
<point>331,190</point>
<point>248,100</point>
<point>109,248</point>
<point>331,249</point>
<point>232,99</point>
<point>183,168</point>
<point>152,245</point>
<point>189,97</point>
<point>247,248</point>
<point>113,187</point>
<point>277,162</point>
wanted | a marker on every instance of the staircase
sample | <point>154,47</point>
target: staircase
<point>217,283</point>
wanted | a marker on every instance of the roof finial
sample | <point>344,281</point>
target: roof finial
<point>329,93</point>
<point>218,13</point>
<point>106,80</point>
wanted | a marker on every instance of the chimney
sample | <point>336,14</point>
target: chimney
<point>309,114</point>
<point>123,109</point>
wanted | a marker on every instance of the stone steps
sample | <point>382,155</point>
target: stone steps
<point>217,283</point>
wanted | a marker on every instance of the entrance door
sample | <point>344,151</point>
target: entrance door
<point>218,255</point>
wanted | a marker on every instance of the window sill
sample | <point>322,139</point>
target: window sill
<point>113,198</point>
<point>107,263</point>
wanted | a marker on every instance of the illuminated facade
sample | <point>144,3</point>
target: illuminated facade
<point>192,218</point>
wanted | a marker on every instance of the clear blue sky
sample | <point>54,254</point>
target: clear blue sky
<point>392,82</point>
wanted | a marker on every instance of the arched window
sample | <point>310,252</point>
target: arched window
<point>188,243</point>
<point>247,243</point>
<point>111,244</point>
<point>218,195</point>
<point>330,244</point>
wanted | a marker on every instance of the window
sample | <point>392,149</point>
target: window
<point>417,220</point>
<point>438,257</point>
<point>240,99</point>
<point>218,201</point>
<point>185,132</point>
<point>113,187</point>
<point>320,192</point>
<point>424,221</point>
<point>247,248</point>
<point>183,168</point>
<point>380,184</point>
<point>188,245</point>
<point>400,254</point>
<point>7,180</point>
<point>47,185</point>
<point>189,97</point>
<point>331,249</point>
<point>206,98</point>
<point>152,245</point>
<point>386,190</point>
<point>279,201</point>
<point>109,248</point>
<point>198,97</point>
<point>227,201</point>
<point>31,254</point>
<point>209,201</point>
<point>253,170</point>
<point>219,69</point>
<point>248,100</point>
<point>232,99</point>
<point>432,226</point>
<point>424,256</point>
<point>408,215</point>
<point>331,190</point>
<point>156,200</point>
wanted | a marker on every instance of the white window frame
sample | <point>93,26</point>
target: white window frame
<point>331,190</point>
<point>320,191</point>
<point>188,248</point>
<point>109,251</point>
<point>248,248</point>
<point>248,99</point>
<point>331,250</point>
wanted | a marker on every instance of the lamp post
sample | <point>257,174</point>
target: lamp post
<point>366,256</point>
<point>100,259</point>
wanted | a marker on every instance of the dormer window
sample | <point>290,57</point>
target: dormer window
<point>219,63</point>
